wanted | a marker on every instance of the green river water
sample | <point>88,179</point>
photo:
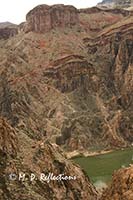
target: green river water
<point>101,167</point>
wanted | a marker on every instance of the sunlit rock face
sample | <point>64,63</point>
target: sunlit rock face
<point>43,18</point>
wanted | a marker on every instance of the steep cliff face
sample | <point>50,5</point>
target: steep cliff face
<point>115,71</point>
<point>121,186</point>
<point>43,18</point>
<point>38,158</point>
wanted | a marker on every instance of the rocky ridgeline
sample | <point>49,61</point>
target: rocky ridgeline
<point>43,18</point>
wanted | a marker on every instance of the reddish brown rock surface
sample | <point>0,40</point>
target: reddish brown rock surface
<point>43,18</point>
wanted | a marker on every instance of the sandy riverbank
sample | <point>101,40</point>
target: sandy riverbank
<point>86,153</point>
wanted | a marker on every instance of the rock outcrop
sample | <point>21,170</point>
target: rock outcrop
<point>43,18</point>
<point>121,186</point>
<point>38,158</point>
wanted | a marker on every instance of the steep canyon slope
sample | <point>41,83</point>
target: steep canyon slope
<point>67,77</point>
<point>21,156</point>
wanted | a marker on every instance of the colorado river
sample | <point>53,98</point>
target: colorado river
<point>101,167</point>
